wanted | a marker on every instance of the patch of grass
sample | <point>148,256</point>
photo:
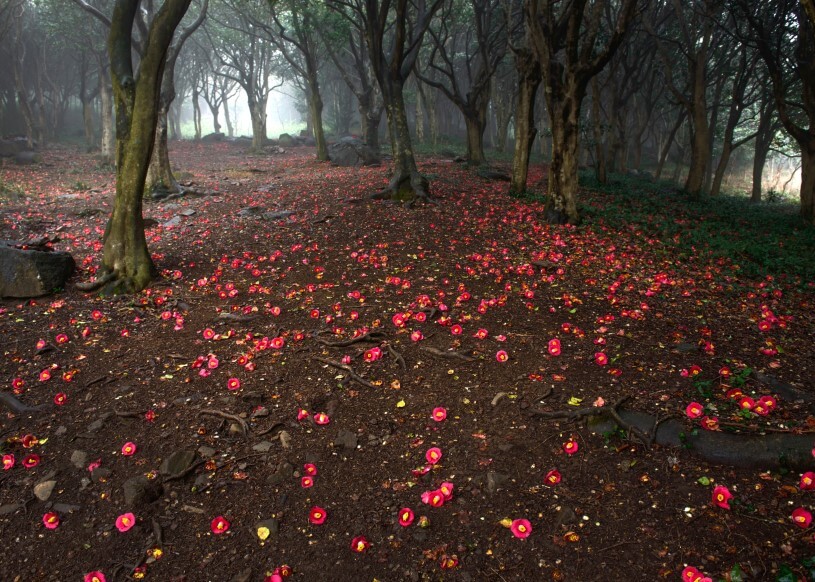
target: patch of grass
<point>80,186</point>
<point>762,239</point>
<point>10,190</point>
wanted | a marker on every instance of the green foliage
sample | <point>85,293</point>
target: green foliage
<point>759,240</point>
<point>80,186</point>
<point>10,190</point>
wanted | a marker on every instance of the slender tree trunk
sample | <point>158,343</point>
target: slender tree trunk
<point>663,156</point>
<point>529,79</point>
<point>420,121</point>
<point>315,106</point>
<point>215,110</point>
<point>160,174</point>
<point>371,122</point>
<point>599,145</point>
<point>808,182</point>
<point>108,145</point>
<point>230,131</point>
<point>196,114</point>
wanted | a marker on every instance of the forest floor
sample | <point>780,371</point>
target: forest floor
<point>472,305</point>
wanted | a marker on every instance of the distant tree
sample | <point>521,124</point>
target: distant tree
<point>567,42</point>
<point>394,30</point>
<point>469,40</point>
<point>784,34</point>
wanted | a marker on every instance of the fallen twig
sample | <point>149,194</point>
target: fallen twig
<point>373,336</point>
<point>451,354</point>
<point>350,371</point>
<point>397,356</point>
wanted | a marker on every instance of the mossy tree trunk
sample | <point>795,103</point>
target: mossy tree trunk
<point>126,261</point>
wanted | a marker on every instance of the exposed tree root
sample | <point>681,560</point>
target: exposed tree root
<point>756,451</point>
<point>410,188</point>
<point>350,371</point>
<point>244,426</point>
<point>450,354</point>
<point>16,406</point>
<point>99,282</point>
<point>396,356</point>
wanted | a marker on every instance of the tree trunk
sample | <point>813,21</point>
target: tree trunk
<point>475,138</point>
<point>230,131</point>
<point>196,114</point>
<point>599,143</point>
<point>808,182</point>
<point>215,111</point>
<point>529,79</point>
<point>420,121</point>
<point>370,123</point>
<point>315,107</point>
<point>160,174</point>
<point>126,259</point>
<point>700,155</point>
<point>108,145</point>
<point>87,119</point>
<point>257,111</point>
<point>561,203</point>
<point>406,184</point>
<point>663,156</point>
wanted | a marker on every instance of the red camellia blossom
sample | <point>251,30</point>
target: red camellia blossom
<point>554,347</point>
<point>373,354</point>
<point>406,516</point>
<point>746,403</point>
<point>446,489</point>
<point>219,525</point>
<point>233,384</point>
<point>208,334</point>
<point>45,375</point>
<point>600,359</point>
<point>521,528</point>
<point>570,447</point>
<point>417,336</point>
<point>448,562</point>
<point>801,517</point>
<point>691,574</point>
<point>278,343</point>
<point>95,576</point>
<point>501,356</point>
<point>8,462</point>
<point>28,441</point>
<point>481,334</point>
<point>694,410</point>
<point>129,449</point>
<point>552,477</point>
<point>433,455</point>
<point>433,498</point>
<point>709,422</point>
<point>50,520</point>
<point>60,398</point>
<point>807,481</point>
<point>359,544</point>
<point>317,515</point>
<point>302,414</point>
<point>62,338</point>
<point>310,469</point>
<point>439,414</point>
<point>125,521</point>
<point>31,461</point>
<point>721,496</point>
<point>306,482</point>
<point>321,418</point>
<point>456,330</point>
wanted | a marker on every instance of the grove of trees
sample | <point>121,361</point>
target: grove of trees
<point>696,90</point>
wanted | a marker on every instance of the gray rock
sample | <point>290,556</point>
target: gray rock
<point>352,152</point>
<point>251,211</point>
<point>101,474</point>
<point>263,447</point>
<point>43,489</point>
<point>141,491</point>
<point>66,508</point>
<point>32,273</point>
<point>174,221</point>
<point>10,508</point>
<point>27,158</point>
<point>79,459</point>
<point>213,137</point>
<point>279,215</point>
<point>243,576</point>
<point>286,140</point>
<point>346,439</point>
<point>206,452</point>
<point>177,463</point>
<point>11,147</point>
<point>187,212</point>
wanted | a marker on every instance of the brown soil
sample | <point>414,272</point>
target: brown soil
<point>339,266</point>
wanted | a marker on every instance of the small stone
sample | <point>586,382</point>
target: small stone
<point>101,474</point>
<point>61,430</point>
<point>174,221</point>
<point>10,508</point>
<point>187,212</point>
<point>177,463</point>
<point>235,429</point>
<point>346,439</point>
<point>284,472</point>
<point>66,508</point>
<point>206,452</point>
<point>262,447</point>
<point>495,481</point>
<point>244,576</point>
<point>43,489</point>
<point>141,491</point>
<point>79,459</point>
